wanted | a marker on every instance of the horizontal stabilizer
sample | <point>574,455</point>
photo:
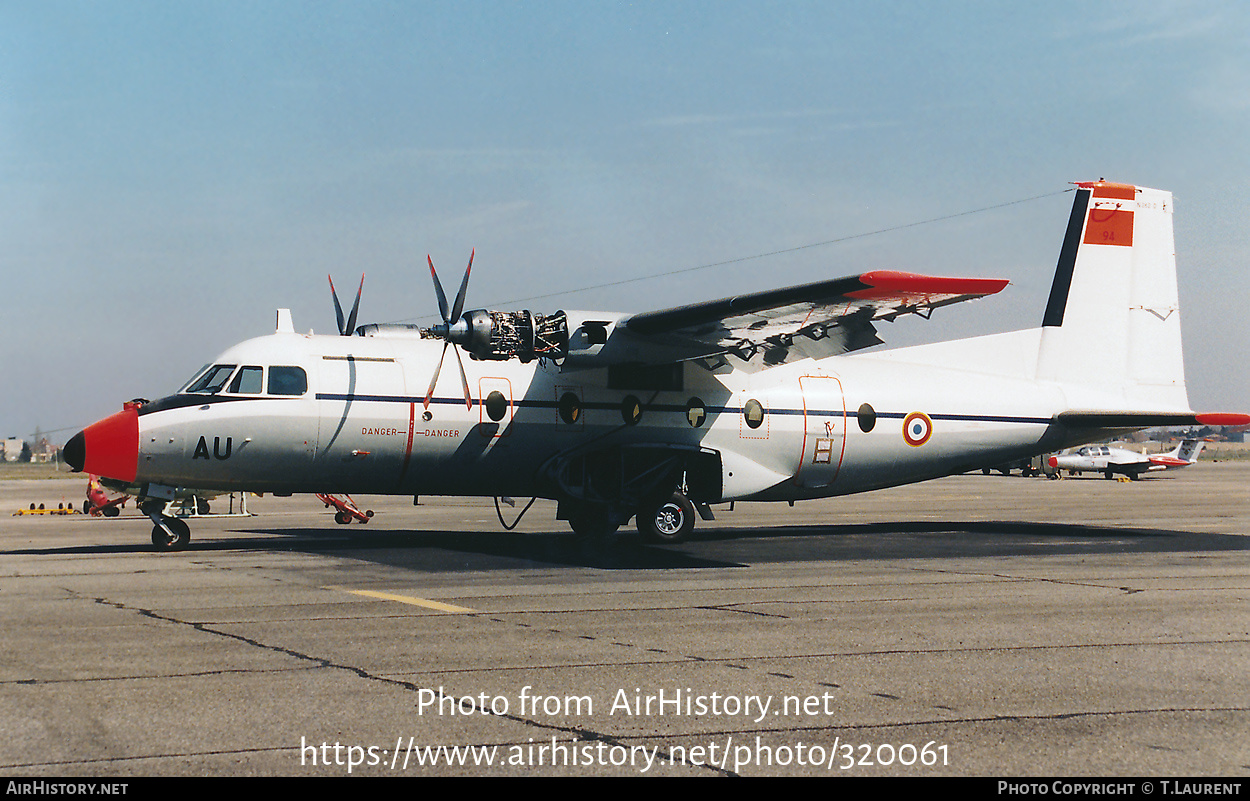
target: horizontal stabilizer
<point>1127,419</point>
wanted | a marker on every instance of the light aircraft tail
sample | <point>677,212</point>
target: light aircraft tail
<point>1112,323</point>
<point>1188,450</point>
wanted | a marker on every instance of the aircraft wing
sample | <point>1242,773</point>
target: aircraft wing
<point>779,325</point>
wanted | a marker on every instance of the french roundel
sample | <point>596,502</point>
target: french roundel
<point>917,428</point>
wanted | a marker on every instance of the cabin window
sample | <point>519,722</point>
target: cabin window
<point>287,381</point>
<point>213,379</point>
<point>867,417</point>
<point>753,413</point>
<point>570,408</point>
<point>248,381</point>
<point>631,410</point>
<point>496,405</point>
<point>696,412</point>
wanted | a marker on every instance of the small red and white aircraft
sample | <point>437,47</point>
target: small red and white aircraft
<point>1109,461</point>
<point>659,414</point>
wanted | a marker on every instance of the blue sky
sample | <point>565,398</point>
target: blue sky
<point>174,171</point>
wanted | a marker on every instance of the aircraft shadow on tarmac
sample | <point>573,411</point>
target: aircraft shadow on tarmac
<point>741,546</point>
<point>440,551</point>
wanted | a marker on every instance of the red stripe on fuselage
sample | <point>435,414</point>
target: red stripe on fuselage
<point>412,426</point>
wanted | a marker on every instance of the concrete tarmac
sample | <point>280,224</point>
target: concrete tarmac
<point>974,625</point>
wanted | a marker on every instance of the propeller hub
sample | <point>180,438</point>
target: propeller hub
<point>471,332</point>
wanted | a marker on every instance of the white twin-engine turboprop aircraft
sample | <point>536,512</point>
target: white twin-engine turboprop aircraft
<point>656,415</point>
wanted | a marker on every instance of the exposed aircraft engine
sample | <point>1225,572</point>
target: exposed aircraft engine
<point>498,335</point>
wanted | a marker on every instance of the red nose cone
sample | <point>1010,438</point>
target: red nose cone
<point>1053,461</point>
<point>111,446</point>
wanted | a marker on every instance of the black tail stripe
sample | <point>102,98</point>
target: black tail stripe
<point>1067,261</point>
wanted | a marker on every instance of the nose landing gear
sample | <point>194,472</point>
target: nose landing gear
<point>168,533</point>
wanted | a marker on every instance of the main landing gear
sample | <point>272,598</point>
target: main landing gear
<point>669,522</point>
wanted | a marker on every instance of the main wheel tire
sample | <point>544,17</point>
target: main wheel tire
<point>342,517</point>
<point>112,511</point>
<point>592,521</point>
<point>671,521</point>
<point>180,540</point>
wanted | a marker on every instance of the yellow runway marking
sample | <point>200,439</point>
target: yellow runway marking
<point>407,599</point>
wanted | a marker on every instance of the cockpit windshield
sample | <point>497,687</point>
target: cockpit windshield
<point>194,376</point>
<point>212,380</point>
<point>250,379</point>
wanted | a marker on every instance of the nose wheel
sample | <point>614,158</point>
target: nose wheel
<point>171,534</point>
<point>168,533</point>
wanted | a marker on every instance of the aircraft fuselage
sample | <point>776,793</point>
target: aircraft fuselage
<point>811,429</point>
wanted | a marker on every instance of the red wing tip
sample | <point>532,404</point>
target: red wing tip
<point>915,284</point>
<point>1223,419</point>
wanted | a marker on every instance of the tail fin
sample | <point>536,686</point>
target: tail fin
<point>1189,449</point>
<point>1112,324</point>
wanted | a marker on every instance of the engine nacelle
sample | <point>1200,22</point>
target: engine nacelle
<point>497,335</point>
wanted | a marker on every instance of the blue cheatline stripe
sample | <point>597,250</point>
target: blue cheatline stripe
<point>681,409</point>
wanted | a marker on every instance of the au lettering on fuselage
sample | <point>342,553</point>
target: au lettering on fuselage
<point>201,448</point>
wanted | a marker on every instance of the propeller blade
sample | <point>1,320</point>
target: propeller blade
<point>351,318</point>
<point>338,310</point>
<point>433,381</point>
<point>464,287</point>
<point>438,290</point>
<point>464,379</point>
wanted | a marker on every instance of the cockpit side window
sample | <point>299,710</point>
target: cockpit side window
<point>213,379</point>
<point>248,381</point>
<point>287,381</point>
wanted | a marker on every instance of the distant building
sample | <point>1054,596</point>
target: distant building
<point>44,451</point>
<point>13,449</point>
